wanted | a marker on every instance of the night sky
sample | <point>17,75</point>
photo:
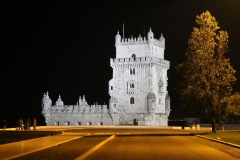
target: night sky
<point>64,47</point>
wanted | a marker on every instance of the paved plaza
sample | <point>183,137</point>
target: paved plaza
<point>122,142</point>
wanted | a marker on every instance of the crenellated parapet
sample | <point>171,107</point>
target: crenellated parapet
<point>139,60</point>
<point>81,106</point>
<point>136,40</point>
<point>80,109</point>
<point>140,40</point>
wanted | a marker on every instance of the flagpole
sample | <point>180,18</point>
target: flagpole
<point>123,31</point>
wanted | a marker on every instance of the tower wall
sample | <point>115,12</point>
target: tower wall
<point>140,48</point>
<point>139,70</point>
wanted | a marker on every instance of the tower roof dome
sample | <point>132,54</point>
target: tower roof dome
<point>59,102</point>
<point>150,33</point>
<point>46,98</point>
<point>117,38</point>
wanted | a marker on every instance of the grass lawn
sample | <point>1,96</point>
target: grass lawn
<point>227,136</point>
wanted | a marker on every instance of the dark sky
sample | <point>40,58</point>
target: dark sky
<point>64,47</point>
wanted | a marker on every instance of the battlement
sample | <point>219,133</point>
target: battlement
<point>80,109</point>
<point>139,60</point>
<point>140,40</point>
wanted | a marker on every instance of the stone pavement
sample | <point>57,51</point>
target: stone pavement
<point>220,141</point>
<point>16,149</point>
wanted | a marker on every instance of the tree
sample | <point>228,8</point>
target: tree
<point>233,106</point>
<point>207,76</point>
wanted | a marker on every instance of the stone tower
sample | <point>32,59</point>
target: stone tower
<point>46,106</point>
<point>138,88</point>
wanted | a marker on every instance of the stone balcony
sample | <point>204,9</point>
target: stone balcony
<point>139,60</point>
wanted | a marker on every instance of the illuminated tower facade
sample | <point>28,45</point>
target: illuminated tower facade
<point>138,88</point>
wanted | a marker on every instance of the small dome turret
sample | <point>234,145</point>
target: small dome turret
<point>161,38</point>
<point>80,101</point>
<point>117,38</point>
<point>59,102</point>
<point>46,103</point>
<point>84,102</point>
<point>46,98</point>
<point>150,35</point>
<point>162,41</point>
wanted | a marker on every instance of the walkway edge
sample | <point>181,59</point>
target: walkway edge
<point>223,142</point>
<point>90,151</point>
<point>35,150</point>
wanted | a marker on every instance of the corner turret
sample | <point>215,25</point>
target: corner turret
<point>46,102</point>
<point>84,102</point>
<point>46,105</point>
<point>162,41</point>
<point>59,103</point>
<point>117,39</point>
<point>80,101</point>
<point>150,36</point>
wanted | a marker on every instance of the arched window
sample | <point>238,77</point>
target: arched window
<point>133,72</point>
<point>130,71</point>
<point>131,100</point>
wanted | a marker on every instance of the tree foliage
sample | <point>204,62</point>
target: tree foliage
<point>207,76</point>
<point>233,105</point>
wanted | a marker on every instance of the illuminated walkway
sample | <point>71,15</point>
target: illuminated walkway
<point>17,149</point>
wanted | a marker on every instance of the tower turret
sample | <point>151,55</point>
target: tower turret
<point>46,102</point>
<point>80,101</point>
<point>46,105</point>
<point>150,36</point>
<point>162,40</point>
<point>59,103</point>
<point>117,38</point>
<point>84,102</point>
